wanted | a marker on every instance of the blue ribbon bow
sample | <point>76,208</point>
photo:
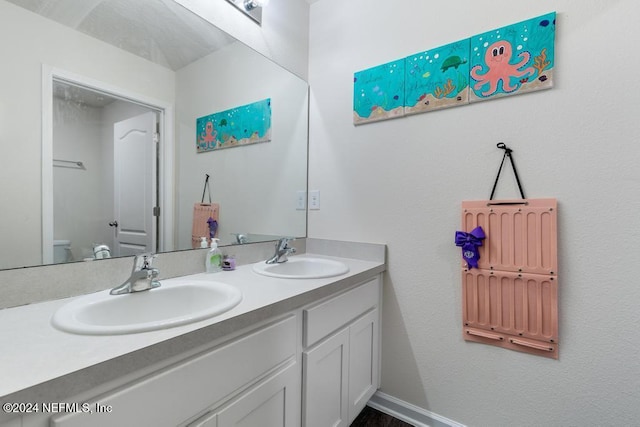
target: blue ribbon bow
<point>470,243</point>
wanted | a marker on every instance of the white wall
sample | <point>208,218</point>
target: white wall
<point>401,182</point>
<point>34,41</point>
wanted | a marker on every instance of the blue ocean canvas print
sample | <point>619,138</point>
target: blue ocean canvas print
<point>378,93</point>
<point>514,59</point>
<point>437,78</point>
<point>247,124</point>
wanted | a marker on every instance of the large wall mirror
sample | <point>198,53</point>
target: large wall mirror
<point>98,114</point>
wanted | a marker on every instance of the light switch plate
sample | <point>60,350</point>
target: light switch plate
<point>301,200</point>
<point>314,199</point>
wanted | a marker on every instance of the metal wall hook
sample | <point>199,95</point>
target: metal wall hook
<point>503,146</point>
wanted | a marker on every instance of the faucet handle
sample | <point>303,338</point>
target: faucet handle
<point>241,239</point>
<point>283,242</point>
<point>143,261</point>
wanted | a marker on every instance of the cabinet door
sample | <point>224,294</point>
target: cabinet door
<point>325,396</point>
<point>274,403</point>
<point>363,362</point>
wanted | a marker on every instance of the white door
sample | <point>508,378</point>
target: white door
<point>135,185</point>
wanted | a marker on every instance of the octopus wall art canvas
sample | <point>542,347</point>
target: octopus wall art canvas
<point>514,59</point>
<point>247,124</point>
<point>511,60</point>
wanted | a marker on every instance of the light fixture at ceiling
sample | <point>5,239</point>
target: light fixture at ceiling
<point>251,8</point>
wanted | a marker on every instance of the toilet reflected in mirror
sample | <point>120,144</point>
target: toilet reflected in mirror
<point>62,251</point>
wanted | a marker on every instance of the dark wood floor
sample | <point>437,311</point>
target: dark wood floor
<point>370,417</point>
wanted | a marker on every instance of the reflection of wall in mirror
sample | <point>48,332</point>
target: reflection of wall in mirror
<point>36,41</point>
<point>255,185</point>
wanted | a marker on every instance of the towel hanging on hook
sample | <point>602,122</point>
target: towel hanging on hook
<point>507,154</point>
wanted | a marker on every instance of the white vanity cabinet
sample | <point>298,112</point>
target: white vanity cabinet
<point>341,356</point>
<point>256,375</point>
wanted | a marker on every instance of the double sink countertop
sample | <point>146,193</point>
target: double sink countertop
<point>42,363</point>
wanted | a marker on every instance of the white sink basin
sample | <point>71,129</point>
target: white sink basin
<point>172,304</point>
<point>302,267</point>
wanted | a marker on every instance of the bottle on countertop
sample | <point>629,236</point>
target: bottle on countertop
<point>229,263</point>
<point>203,242</point>
<point>213,262</point>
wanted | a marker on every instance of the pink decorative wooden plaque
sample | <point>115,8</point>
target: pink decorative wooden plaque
<point>511,299</point>
<point>200,228</point>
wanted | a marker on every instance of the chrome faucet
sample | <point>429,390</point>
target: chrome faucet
<point>241,239</point>
<point>143,276</point>
<point>282,250</point>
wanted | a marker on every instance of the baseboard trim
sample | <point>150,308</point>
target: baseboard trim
<point>409,413</point>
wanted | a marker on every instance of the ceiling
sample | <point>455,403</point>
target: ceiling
<point>80,96</point>
<point>161,31</point>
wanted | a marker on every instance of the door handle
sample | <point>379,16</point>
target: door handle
<point>113,224</point>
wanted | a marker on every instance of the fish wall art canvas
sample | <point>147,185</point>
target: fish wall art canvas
<point>437,78</point>
<point>514,59</point>
<point>247,124</point>
<point>378,92</point>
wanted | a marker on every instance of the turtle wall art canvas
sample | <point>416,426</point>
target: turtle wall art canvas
<point>247,124</point>
<point>437,78</point>
<point>378,92</point>
<point>514,59</point>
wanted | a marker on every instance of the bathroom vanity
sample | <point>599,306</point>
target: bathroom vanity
<point>292,352</point>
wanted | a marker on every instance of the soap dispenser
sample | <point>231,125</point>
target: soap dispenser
<point>213,262</point>
<point>203,242</point>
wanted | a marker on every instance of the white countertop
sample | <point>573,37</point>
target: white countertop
<point>34,352</point>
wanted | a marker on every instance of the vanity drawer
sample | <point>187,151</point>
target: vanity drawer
<point>326,317</point>
<point>177,393</point>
